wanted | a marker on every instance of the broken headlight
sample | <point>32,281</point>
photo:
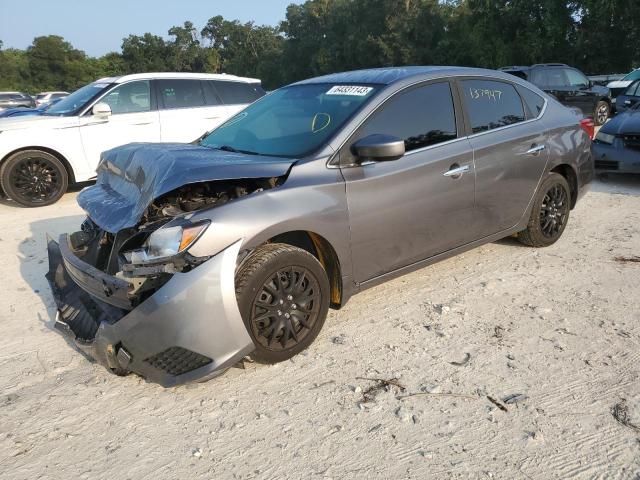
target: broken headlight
<point>166,242</point>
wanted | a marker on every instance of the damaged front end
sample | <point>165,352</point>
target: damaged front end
<point>135,299</point>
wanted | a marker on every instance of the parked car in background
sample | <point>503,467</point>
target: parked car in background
<point>193,256</point>
<point>15,99</point>
<point>629,97</point>
<point>616,147</point>
<point>40,156</point>
<point>26,112</point>
<point>617,87</point>
<point>44,98</point>
<point>570,86</point>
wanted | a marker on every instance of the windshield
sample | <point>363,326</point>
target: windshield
<point>291,122</point>
<point>635,75</point>
<point>77,100</point>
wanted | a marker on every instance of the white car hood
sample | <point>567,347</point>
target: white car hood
<point>21,123</point>
<point>619,84</point>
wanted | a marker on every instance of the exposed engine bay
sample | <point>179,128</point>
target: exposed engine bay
<point>110,253</point>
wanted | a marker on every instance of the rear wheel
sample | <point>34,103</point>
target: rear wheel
<point>33,178</point>
<point>550,213</point>
<point>283,296</point>
<point>602,112</point>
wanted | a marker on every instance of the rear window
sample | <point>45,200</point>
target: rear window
<point>181,93</point>
<point>491,104</point>
<point>233,93</point>
<point>534,102</point>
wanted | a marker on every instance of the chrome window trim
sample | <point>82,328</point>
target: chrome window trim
<point>330,163</point>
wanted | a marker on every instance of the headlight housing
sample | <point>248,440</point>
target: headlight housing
<point>167,242</point>
<point>605,138</point>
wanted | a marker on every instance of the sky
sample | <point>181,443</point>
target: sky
<point>98,27</point>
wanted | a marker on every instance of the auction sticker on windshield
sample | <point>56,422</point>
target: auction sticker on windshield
<point>354,90</point>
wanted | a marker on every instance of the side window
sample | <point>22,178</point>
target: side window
<point>181,93</point>
<point>576,78</point>
<point>210,94</point>
<point>556,77</point>
<point>234,93</point>
<point>491,104</point>
<point>133,97</point>
<point>534,102</point>
<point>422,117</point>
<point>633,90</point>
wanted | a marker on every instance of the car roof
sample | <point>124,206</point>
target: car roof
<point>50,93</point>
<point>177,75</point>
<point>390,75</point>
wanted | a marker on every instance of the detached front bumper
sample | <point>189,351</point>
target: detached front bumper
<point>189,329</point>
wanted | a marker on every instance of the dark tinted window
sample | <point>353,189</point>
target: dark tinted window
<point>491,104</point>
<point>210,93</point>
<point>422,117</point>
<point>181,93</point>
<point>233,93</point>
<point>534,102</point>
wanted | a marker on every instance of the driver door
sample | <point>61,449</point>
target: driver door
<point>409,209</point>
<point>134,118</point>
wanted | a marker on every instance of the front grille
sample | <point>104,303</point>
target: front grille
<point>178,360</point>
<point>631,141</point>
<point>606,165</point>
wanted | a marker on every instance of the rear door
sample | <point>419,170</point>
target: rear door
<point>510,150</point>
<point>404,211</point>
<point>186,110</point>
<point>134,118</point>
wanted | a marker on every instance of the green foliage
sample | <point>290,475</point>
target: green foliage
<point>323,36</point>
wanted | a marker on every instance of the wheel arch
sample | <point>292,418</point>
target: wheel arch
<point>570,175</point>
<point>55,153</point>
<point>321,249</point>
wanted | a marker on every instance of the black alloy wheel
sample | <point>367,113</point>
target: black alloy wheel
<point>549,213</point>
<point>554,211</point>
<point>283,296</point>
<point>33,178</point>
<point>286,308</point>
<point>602,112</point>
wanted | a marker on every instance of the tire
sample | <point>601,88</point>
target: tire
<point>549,214</point>
<point>33,178</point>
<point>283,297</point>
<point>601,115</point>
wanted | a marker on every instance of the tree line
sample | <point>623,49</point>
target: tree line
<point>323,36</point>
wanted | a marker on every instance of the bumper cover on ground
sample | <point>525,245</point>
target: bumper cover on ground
<point>189,329</point>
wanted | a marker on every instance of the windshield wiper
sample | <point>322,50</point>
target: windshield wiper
<point>228,148</point>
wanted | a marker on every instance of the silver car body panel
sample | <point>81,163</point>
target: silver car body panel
<point>382,220</point>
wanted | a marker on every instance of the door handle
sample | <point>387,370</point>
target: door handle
<point>456,171</point>
<point>535,150</point>
<point>143,123</point>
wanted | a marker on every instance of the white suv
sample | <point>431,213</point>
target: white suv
<point>40,156</point>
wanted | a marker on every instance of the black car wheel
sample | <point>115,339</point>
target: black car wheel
<point>33,178</point>
<point>602,112</point>
<point>283,296</point>
<point>550,213</point>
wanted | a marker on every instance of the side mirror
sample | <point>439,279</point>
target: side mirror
<point>379,148</point>
<point>102,110</point>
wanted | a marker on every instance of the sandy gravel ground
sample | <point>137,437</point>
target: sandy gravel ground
<point>558,328</point>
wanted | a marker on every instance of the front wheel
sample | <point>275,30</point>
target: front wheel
<point>283,296</point>
<point>602,112</point>
<point>33,178</point>
<point>550,213</point>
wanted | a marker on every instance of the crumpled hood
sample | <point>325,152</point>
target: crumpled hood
<point>37,121</point>
<point>627,122</point>
<point>131,177</point>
